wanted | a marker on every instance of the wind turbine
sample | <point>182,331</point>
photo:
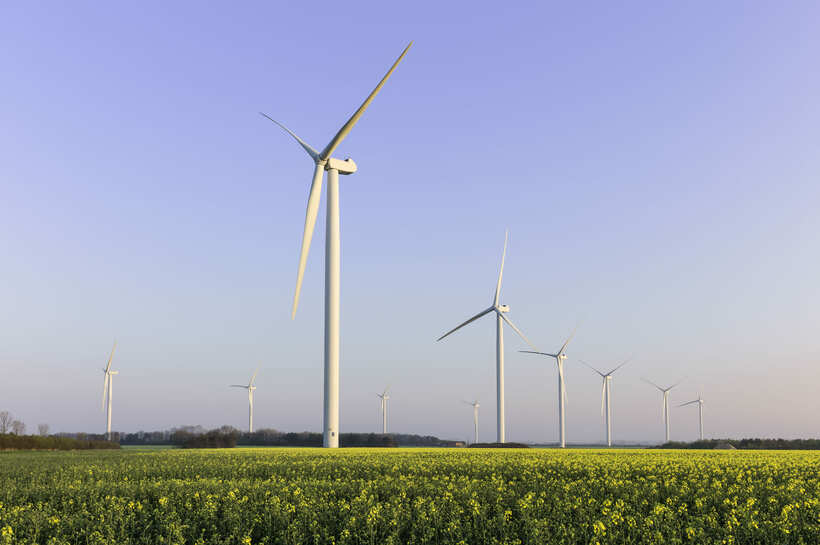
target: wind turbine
<point>606,397</point>
<point>323,161</point>
<point>665,392</point>
<point>384,398</point>
<point>108,388</point>
<point>699,401</point>
<point>499,310</point>
<point>559,357</point>
<point>475,406</point>
<point>250,387</point>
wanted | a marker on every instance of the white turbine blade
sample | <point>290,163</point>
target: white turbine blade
<point>237,386</point>
<point>501,270</point>
<point>253,377</point>
<point>593,368</point>
<point>310,151</point>
<point>603,391</point>
<point>624,363</point>
<point>568,340</point>
<point>310,223</point>
<point>386,390</point>
<point>105,390</point>
<point>512,325</point>
<point>474,318</point>
<point>678,382</point>
<point>536,352</point>
<point>689,403</point>
<point>652,383</point>
<point>111,357</point>
<point>347,127</point>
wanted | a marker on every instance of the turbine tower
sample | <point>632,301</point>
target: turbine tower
<point>699,401</point>
<point>606,398</point>
<point>324,161</point>
<point>108,388</point>
<point>250,387</point>
<point>665,392</point>
<point>559,357</point>
<point>383,408</point>
<point>475,406</point>
<point>500,318</point>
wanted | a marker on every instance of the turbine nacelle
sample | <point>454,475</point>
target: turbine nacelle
<point>503,308</point>
<point>346,167</point>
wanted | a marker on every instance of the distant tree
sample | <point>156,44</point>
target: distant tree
<point>42,429</point>
<point>5,422</point>
<point>18,427</point>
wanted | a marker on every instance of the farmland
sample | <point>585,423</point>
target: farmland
<point>409,496</point>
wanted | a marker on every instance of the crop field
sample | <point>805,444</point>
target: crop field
<point>399,496</point>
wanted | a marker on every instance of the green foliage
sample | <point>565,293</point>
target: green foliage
<point>409,496</point>
<point>747,444</point>
<point>50,442</point>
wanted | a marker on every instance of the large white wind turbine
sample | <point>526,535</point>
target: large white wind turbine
<point>108,388</point>
<point>324,162</point>
<point>384,398</point>
<point>606,397</point>
<point>699,401</point>
<point>475,406</point>
<point>559,357</point>
<point>665,392</point>
<point>250,387</point>
<point>499,310</point>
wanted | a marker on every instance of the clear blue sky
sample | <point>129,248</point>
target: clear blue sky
<point>657,166</point>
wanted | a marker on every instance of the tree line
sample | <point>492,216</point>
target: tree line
<point>747,444</point>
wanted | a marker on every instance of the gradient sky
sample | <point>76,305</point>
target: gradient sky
<point>657,166</point>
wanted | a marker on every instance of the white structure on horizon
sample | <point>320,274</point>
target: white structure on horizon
<point>324,161</point>
<point>384,398</point>
<point>665,392</point>
<point>500,311</point>
<point>475,406</point>
<point>250,387</point>
<point>606,397</point>
<point>699,401</point>
<point>559,357</point>
<point>108,388</point>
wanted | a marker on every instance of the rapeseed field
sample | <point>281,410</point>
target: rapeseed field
<point>409,496</point>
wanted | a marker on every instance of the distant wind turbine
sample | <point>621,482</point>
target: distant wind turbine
<point>384,398</point>
<point>699,401</point>
<point>606,397</point>
<point>559,357</point>
<point>250,387</point>
<point>324,162</point>
<point>499,310</point>
<point>475,406</point>
<point>665,392</point>
<point>108,388</point>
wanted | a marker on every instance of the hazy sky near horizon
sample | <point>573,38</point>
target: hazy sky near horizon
<point>656,165</point>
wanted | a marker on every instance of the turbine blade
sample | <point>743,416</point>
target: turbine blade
<point>593,368</point>
<point>568,340</point>
<point>310,151</point>
<point>253,377</point>
<point>678,382</point>
<point>512,325</point>
<point>111,357</point>
<point>501,270</point>
<point>536,352</point>
<point>652,383</point>
<point>237,386</point>
<point>310,223</point>
<point>624,363</point>
<point>347,127</point>
<point>474,318</point>
<point>105,389</point>
<point>688,403</point>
